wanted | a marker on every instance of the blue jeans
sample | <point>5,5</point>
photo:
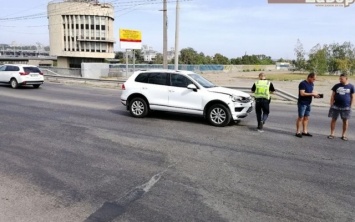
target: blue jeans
<point>303,110</point>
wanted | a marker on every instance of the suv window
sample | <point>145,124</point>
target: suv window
<point>2,68</point>
<point>158,78</point>
<point>31,69</point>
<point>143,77</point>
<point>179,80</point>
<point>12,68</point>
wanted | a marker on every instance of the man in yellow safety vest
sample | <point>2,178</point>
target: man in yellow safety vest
<point>262,89</point>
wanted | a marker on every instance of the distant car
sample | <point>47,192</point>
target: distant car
<point>21,74</point>
<point>183,92</point>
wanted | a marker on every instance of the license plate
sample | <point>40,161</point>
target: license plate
<point>34,75</point>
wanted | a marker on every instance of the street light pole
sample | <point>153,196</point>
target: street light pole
<point>177,36</point>
<point>165,36</point>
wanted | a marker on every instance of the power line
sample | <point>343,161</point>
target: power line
<point>128,5</point>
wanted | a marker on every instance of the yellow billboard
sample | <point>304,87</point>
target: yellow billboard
<point>129,35</point>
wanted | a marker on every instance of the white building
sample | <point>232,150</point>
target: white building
<point>80,31</point>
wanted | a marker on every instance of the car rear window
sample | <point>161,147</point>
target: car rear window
<point>31,69</point>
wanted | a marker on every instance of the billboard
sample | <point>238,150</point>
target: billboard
<point>130,39</point>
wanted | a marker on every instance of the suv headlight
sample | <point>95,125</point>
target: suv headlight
<point>240,99</point>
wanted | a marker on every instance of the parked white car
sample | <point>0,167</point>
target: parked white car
<point>183,92</point>
<point>21,74</point>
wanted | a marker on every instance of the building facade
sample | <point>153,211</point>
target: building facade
<point>80,31</point>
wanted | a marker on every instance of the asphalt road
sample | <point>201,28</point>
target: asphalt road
<point>73,153</point>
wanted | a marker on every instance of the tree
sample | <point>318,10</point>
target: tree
<point>300,62</point>
<point>158,59</point>
<point>318,60</point>
<point>220,59</point>
<point>138,56</point>
<point>119,55</point>
<point>188,56</point>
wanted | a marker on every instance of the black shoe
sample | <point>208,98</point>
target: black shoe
<point>260,126</point>
<point>299,135</point>
<point>307,134</point>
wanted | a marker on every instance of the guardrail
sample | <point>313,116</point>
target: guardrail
<point>283,94</point>
<point>279,92</point>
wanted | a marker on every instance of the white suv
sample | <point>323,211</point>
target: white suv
<point>16,75</point>
<point>183,92</point>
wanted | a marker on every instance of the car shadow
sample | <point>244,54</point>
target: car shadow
<point>180,117</point>
<point>19,87</point>
<point>171,116</point>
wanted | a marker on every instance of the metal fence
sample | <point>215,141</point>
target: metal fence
<point>62,71</point>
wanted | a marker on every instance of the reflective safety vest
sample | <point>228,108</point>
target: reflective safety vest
<point>262,89</point>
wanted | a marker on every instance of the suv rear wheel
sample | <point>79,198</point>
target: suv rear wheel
<point>219,115</point>
<point>138,107</point>
<point>14,83</point>
<point>36,86</point>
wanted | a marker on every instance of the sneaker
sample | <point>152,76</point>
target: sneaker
<point>299,135</point>
<point>307,134</point>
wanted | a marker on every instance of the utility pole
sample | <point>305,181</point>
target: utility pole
<point>165,36</point>
<point>177,36</point>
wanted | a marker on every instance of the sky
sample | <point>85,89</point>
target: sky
<point>232,28</point>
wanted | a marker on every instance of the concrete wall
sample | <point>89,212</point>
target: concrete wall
<point>95,70</point>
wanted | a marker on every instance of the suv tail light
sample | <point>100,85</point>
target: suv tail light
<point>24,73</point>
<point>41,73</point>
<point>123,87</point>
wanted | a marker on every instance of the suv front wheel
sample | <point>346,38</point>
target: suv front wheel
<point>138,107</point>
<point>219,115</point>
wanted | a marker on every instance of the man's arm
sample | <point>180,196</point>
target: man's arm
<point>272,88</point>
<point>303,93</point>
<point>332,98</point>
<point>253,88</point>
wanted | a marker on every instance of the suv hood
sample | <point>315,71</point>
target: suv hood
<point>228,91</point>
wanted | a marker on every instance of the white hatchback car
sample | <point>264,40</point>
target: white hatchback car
<point>183,92</point>
<point>21,74</point>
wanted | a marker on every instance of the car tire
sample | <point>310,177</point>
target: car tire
<point>14,83</point>
<point>138,107</point>
<point>219,115</point>
<point>36,86</point>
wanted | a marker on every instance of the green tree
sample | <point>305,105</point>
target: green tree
<point>158,59</point>
<point>318,60</point>
<point>300,62</point>
<point>119,55</point>
<point>220,59</point>
<point>188,56</point>
<point>138,56</point>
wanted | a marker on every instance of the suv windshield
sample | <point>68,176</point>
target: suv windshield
<point>202,81</point>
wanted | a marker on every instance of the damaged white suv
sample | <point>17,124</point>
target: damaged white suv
<point>183,92</point>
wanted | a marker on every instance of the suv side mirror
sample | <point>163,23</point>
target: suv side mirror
<point>193,87</point>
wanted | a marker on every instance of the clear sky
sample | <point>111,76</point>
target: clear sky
<point>229,27</point>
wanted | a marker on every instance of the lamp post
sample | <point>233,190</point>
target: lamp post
<point>177,36</point>
<point>165,36</point>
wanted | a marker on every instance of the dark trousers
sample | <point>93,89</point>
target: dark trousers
<point>262,109</point>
